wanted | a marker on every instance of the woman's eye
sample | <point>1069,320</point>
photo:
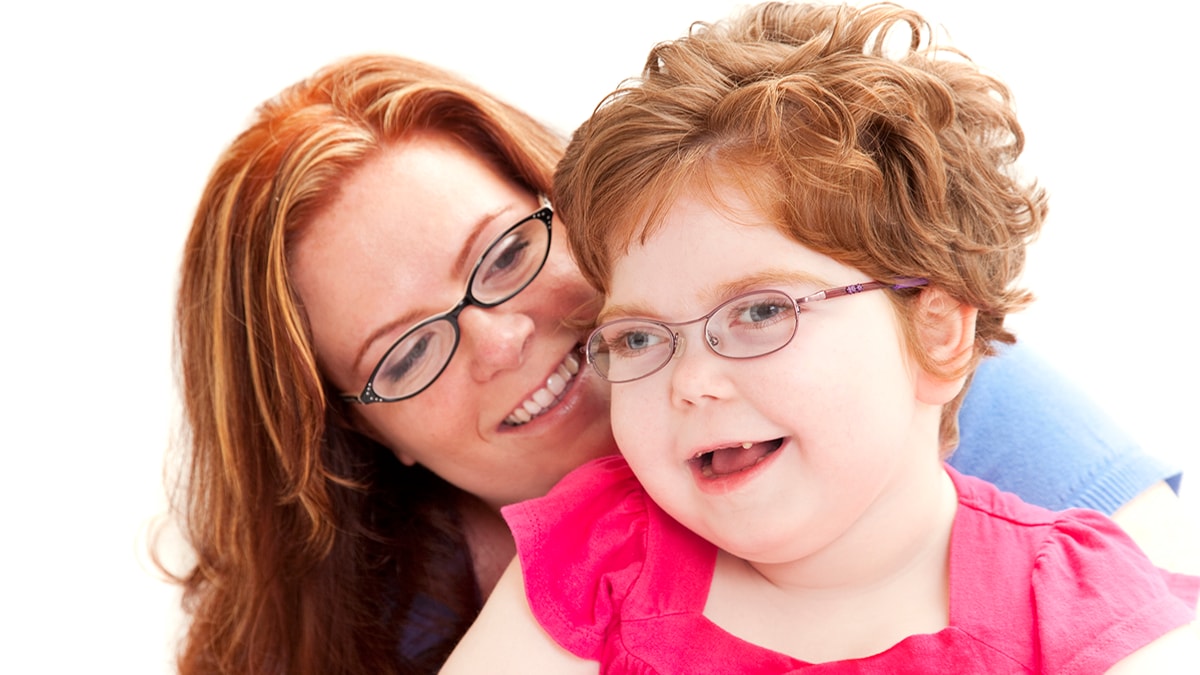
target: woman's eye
<point>506,257</point>
<point>405,359</point>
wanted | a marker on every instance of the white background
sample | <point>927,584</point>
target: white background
<point>112,114</point>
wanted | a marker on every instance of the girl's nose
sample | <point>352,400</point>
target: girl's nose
<point>697,374</point>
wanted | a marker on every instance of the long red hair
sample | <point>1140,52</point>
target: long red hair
<point>312,543</point>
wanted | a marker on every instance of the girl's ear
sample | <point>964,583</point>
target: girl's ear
<point>946,329</point>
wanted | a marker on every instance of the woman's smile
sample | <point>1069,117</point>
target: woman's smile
<point>551,393</point>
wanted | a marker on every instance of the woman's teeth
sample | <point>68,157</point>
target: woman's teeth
<point>545,397</point>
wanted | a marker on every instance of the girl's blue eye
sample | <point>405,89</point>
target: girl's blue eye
<point>634,341</point>
<point>763,311</point>
<point>748,317</point>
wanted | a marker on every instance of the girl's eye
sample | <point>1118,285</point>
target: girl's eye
<point>763,311</point>
<point>633,342</point>
<point>760,312</point>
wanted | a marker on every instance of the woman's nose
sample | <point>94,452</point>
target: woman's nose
<point>497,338</point>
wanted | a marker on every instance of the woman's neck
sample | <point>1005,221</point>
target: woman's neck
<point>491,543</point>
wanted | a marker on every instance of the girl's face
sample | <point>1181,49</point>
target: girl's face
<point>772,458</point>
<point>509,416</point>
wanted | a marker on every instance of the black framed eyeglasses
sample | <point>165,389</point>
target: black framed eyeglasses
<point>416,360</point>
<point>749,325</point>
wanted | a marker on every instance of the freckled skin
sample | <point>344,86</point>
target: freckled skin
<point>388,246</point>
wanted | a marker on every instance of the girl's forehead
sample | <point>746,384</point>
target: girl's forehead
<point>708,254</point>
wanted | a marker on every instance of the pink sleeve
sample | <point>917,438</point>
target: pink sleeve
<point>581,548</point>
<point>1098,598</point>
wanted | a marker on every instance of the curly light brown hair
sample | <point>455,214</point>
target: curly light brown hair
<point>858,136</point>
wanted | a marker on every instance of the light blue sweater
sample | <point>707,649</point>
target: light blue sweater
<point>1031,432</point>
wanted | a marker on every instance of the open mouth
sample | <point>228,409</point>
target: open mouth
<point>542,400</point>
<point>734,459</point>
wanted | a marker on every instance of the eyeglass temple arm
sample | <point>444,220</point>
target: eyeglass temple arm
<point>898,285</point>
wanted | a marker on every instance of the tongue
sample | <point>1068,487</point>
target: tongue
<point>731,460</point>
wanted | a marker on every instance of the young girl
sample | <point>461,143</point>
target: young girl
<point>781,503</point>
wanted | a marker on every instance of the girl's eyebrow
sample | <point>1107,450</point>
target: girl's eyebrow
<point>763,279</point>
<point>620,311</point>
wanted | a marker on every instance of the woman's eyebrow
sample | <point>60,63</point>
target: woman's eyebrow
<point>464,259</point>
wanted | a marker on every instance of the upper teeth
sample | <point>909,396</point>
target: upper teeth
<point>746,445</point>
<point>543,398</point>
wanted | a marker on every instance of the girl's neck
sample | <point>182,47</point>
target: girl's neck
<point>885,579</point>
<point>905,523</point>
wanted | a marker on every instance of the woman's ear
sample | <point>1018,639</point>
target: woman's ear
<point>946,330</point>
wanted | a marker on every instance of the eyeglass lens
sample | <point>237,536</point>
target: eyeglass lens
<point>508,265</point>
<point>746,326</point>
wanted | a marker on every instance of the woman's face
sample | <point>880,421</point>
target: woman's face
<point>397,246</point>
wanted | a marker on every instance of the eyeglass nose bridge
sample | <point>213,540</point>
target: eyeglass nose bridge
<point>679,342</point>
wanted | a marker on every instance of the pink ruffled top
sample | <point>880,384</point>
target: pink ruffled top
<point>612,578</point>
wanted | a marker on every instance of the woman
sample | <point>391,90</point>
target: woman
<point>350,440</point>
